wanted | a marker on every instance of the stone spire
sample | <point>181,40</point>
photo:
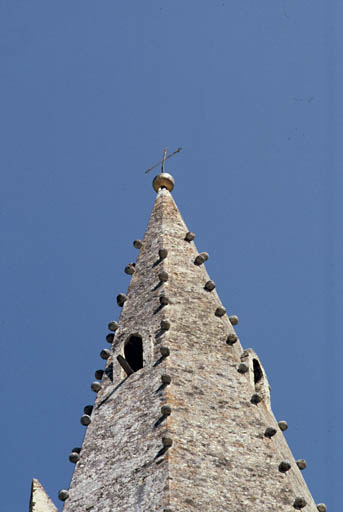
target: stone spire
<point>182,419</point>
<point>40,501</point>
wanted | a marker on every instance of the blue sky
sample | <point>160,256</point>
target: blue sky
<point>90,94</point>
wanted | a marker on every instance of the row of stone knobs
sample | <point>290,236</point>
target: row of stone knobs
<point>104,354</point>
<point>301,503</point>
<point>165,352</point>
<point>165,324</point>
<point>163,277</point>
<point>232,338</point>
<point>85,419</point>
<point>284,465</point>
<point>270,432</point>
<point>74,456</point>
<point>210,286</point>
<point>95,386</point>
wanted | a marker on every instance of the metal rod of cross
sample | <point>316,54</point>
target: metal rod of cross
<point>162,162</point>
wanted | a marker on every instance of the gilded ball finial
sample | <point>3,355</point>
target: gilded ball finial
<point>163,180</point>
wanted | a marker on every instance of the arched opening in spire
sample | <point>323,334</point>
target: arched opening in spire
<point>258,374</point>
<point>133,352</point>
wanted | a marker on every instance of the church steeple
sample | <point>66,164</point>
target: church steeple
<point>182,420</point>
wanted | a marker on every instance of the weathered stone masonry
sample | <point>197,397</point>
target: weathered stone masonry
<point>193,429</point>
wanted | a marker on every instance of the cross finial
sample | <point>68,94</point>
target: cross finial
<point>162,162</point>
<point>164,158</point>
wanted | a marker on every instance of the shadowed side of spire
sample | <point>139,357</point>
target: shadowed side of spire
<point>39,500</point>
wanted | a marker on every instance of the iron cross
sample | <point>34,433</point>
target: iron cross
<point>162,162</point>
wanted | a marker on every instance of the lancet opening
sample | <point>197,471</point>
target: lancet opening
<point>258,374</point>
<point>133,352</point>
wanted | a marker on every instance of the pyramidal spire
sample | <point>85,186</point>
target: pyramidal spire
<point>39,500</point>
<point>182,420</point>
